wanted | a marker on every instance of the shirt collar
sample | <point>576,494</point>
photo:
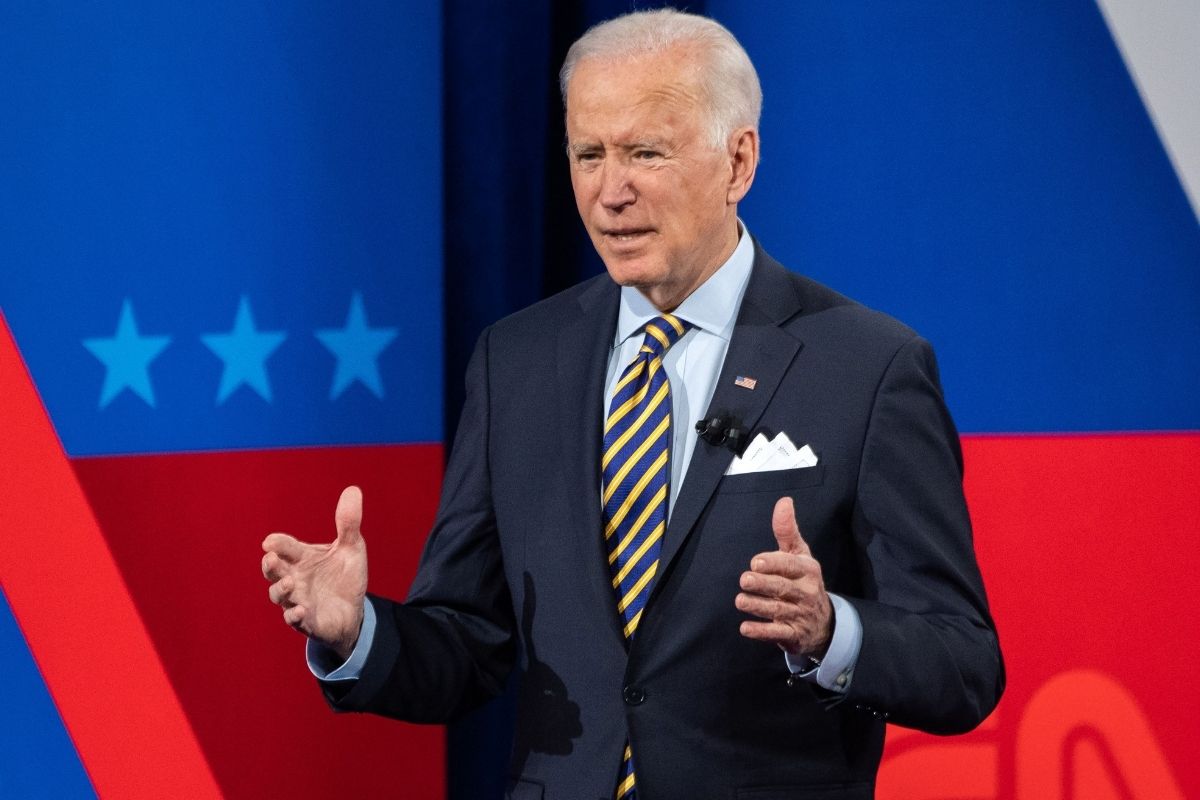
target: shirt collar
<point>712,307</point>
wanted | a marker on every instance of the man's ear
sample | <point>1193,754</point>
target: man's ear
<point>743,161</point>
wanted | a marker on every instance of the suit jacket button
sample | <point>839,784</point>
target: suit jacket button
<point>633,695</point>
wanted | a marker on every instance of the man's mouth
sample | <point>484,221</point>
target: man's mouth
<point>627,234</point>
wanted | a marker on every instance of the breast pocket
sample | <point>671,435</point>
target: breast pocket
<point>778,480</point>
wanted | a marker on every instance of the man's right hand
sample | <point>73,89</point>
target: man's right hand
<point>322,587</point>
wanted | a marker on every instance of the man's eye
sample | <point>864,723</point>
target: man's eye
<point>646,155</point>
<point>587,157</point>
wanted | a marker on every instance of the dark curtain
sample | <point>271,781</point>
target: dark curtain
<point>512,235</point>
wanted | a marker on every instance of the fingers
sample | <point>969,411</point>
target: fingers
<point>784,564</point>
<point>793,588</point>
<point>775,632</point>
<point>283,593</point>
<point>764,608</point>
<point>803,633</point>
<point>288,548</point>
<point>348,516</point>
<point>274,567</point>
<point>778,598</point>
<point>786,529</point>
<point>280,592</point>
<point>294,616</point>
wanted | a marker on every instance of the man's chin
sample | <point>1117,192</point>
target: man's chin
<point>638,273</point>
<point>641,283</point>
<point>653,286</point>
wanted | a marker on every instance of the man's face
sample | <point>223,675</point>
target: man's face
<point>659,203</point>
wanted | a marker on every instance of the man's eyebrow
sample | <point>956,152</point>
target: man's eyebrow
<point>574,148</point>
<point>579,148</point>
<point>645,144</point>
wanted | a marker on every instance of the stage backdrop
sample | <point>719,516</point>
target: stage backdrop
<point>990,174</point>
<point>220,259</point>
<point>221,243</point>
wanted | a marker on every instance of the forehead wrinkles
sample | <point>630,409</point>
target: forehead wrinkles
<point>677,94</point>
<point>649,109</point>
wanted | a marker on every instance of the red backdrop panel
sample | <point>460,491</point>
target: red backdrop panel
<point>75,612</point>
<point>186,532</point>
<point>1088,546</point>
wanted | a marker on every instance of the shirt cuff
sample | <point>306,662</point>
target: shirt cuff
<point>323,662</point>
<point>837,668</point>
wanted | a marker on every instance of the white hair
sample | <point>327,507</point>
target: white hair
<point>727,77</point>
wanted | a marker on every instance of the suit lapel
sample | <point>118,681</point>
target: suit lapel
<point>583,350</point>
<point>759,348</point>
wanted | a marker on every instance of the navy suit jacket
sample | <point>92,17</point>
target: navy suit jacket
<point>515,570</point>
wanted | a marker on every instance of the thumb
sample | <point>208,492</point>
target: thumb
<point>349,516</point>
<point>787,532</point>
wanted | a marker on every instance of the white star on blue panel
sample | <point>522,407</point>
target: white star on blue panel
<point>357,348</point>
<point>245,351</point>
<point>126,356</point>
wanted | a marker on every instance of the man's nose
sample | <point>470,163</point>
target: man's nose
<point>616,186</point>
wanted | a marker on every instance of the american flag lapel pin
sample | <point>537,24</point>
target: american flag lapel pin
<point>744,382</point>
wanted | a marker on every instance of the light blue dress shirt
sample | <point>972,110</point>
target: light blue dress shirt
<point>692,366</point>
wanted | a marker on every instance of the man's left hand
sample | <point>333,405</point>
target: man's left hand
<point>785,589</point>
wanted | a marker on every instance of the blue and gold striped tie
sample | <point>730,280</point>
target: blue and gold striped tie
<point>637,472</point>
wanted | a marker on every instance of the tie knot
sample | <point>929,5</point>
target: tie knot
<point>662,332</point>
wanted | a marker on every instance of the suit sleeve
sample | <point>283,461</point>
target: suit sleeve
<point>930,657</point>
<point>449,647</point>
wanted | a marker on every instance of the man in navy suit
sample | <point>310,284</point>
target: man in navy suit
<point>812,573</point>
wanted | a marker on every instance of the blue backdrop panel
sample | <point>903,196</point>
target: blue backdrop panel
<point>221,223</point>
<point>988,174</point>
<point>37,759</point>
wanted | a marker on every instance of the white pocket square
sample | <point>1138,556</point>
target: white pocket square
<point>768,456</point>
